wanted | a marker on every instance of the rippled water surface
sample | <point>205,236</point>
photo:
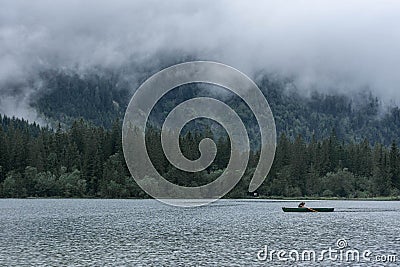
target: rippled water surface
<point>81,232</point>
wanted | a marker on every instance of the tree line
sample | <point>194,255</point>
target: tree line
<point>87,161</point>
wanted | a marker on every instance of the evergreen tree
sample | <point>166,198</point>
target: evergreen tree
<point>394,166</point>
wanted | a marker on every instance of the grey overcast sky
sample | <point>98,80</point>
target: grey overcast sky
<point>329,45</point>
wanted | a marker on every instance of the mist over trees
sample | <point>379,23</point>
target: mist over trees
<point>103,98</point>
<point>328,145</point>
<point>326,45</point>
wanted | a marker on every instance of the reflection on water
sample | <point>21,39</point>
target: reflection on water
<point>79,232</point>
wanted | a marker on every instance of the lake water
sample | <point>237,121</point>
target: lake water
<point>82,232</point>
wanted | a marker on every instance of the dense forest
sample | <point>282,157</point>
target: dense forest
<point>329,145</point>
<point>85,160</point>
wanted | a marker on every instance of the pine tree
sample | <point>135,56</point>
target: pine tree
<point>3,152</point>
<point>394,166</point>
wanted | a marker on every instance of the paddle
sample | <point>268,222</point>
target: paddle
<point>311,209</point>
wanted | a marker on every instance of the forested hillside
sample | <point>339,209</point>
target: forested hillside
<point>93,97</point>
<point>331,145</point>
<point>87,161</point>
<point>103,97</point>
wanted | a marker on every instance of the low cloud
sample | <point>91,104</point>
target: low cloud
<point>328,46</point>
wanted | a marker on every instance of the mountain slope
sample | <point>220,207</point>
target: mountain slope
<point>101,98</point>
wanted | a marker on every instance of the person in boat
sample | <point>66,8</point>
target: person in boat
<point>302,205</point>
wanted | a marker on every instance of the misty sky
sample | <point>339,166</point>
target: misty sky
<point>328,45</point>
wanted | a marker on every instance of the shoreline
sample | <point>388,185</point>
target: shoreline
<point>333,198</point>
<point>276,198</point>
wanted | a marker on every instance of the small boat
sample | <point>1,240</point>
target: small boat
<point>305,209</point>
